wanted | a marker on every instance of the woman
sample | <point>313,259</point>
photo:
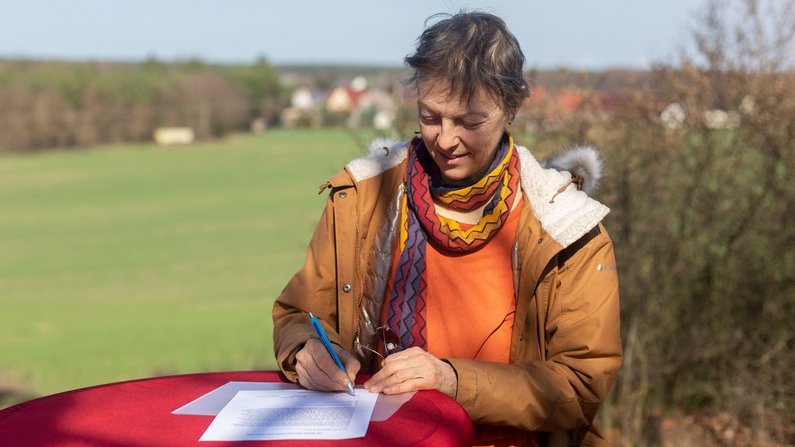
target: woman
<point>456,262</point>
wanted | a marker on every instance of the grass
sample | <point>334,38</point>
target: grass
<point>129,261</point>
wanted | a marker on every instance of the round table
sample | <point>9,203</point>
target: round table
<point>138,413</point>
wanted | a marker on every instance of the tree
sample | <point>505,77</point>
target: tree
<point>706,214</point>
<point>704,224</point>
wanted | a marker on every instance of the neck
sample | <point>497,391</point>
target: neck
<point>469,217</point>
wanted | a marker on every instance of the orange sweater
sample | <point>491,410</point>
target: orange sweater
<point>470,299</point>
<point>470,313</point>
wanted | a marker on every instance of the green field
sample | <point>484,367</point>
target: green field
<point>130,261</point>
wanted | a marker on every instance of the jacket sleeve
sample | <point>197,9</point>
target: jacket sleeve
<point>311,289</point>
<point>582,345</point>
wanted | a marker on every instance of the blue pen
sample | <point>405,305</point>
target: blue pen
<point>327,343</point>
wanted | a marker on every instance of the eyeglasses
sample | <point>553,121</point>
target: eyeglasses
<point>388,340</point>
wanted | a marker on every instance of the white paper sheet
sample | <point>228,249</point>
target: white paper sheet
<point>292,414</point>
<point>213,402</point>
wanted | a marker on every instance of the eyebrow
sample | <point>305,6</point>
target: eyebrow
<point>470,114</point>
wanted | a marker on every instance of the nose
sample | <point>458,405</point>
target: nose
<point>447,137</point>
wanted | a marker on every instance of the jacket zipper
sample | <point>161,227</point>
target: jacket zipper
<point>358,296</point>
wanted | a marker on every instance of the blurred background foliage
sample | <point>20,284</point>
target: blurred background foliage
<point>62,104</point>
<point>700,164</point>
<point>699,156</point>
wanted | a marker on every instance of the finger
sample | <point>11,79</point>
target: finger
<point>399,383</point>
<point>319,369</point>
<point>326,363</point>
<point>401,375</point>
<point>413,353</point>
<point>304,375</point>
<point>419,383</point>
<point>375,380</point>
<point>330,368</point>
<point>393,372</point>
<point>411,365</point>
<point>305,380</point>
<point>389,366</point>
<point>429,373</point>
<point>331,380</point>
<point>352,365</point>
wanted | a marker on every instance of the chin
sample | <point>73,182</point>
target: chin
<point>456,178</point>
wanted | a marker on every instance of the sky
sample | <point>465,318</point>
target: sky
<point>584,34</point>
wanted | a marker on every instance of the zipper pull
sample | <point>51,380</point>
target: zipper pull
<point>323,187</point>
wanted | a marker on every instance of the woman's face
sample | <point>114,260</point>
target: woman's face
<point>462,139</point>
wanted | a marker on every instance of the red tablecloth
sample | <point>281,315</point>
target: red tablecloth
<point>138,413</point>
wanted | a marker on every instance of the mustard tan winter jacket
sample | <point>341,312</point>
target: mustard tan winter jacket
<point>565,345</point>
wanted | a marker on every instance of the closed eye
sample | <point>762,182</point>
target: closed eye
<point>429,119</point>
<point>471,125</point>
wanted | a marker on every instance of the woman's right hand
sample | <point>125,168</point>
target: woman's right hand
<point>317,371</point>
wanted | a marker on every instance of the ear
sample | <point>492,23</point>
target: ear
<point>509,117</point>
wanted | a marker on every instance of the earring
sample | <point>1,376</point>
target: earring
<point>417,132</point>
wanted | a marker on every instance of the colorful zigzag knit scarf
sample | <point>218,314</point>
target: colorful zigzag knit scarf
<point>420,224</point>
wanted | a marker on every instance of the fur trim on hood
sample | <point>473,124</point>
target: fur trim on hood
<point>381,145</point>
<point>582,162</point>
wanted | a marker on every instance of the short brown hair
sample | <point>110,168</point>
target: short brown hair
<point>472,50</point>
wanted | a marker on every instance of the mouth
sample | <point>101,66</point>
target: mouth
<point>452,156</point>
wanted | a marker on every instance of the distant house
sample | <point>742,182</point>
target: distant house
<point>343,100</point>
<point>340,101</point>
<point>354,104</point>
<point>346,99</point>
<point>305,105</point>
<point>170,136</point>
<point>304,98</point>
<point>377,99</point>
<point>382,106</point>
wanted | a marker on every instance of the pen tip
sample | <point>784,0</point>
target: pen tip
<point>350,389</point>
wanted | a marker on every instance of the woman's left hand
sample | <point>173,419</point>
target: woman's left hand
<point>411,370</point>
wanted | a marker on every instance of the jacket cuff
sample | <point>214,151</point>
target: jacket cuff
<point>287,352</point>
<point>468,388</point>
<point>455,395</point>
